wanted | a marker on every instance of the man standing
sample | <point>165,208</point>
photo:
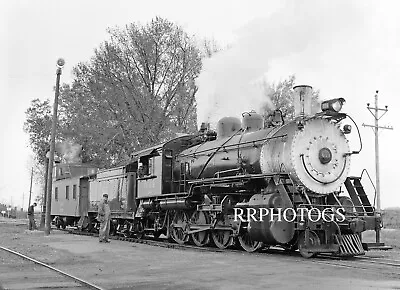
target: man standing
<point>31,217</point>
<point>104,214</point>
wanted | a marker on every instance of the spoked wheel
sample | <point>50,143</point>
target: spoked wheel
<point>127,230</point>
<point>313,240</point>
<point>140,230</point>
<point>200,218</point>
<point>178,227</point>
<point>222,238</point>
<point>248,244</point>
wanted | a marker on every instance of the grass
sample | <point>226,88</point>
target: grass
<point>391,218</point>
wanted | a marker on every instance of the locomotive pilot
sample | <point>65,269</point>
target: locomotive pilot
<point>104,215</point>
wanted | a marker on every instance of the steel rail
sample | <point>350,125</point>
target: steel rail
<point>81,281</point>
<point>380,261</point>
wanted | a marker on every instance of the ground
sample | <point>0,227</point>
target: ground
<point>123,265</point>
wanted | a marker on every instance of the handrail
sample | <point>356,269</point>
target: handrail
<point>359,135</point>
<point>233,145</point>
<point>234,177</point>
<point>354,214</point>
<point>218,173</point>
<point>215,152</point>
<point>373,185</point>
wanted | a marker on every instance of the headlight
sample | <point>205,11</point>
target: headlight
<point>337,106</point>
<point>333,105</point>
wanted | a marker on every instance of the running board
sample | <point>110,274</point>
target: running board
<point>330,248</point>
<point>376,246</point>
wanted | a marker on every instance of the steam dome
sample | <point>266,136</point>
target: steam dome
<point>228,126</point>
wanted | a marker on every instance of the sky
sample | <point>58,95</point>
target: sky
<point>345,49</point>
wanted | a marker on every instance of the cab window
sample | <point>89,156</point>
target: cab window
<point>146,166</point>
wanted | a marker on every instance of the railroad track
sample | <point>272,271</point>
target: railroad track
<point>391,266</point>
<point>18,271</point>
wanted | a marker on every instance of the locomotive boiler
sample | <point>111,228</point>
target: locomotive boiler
<point>313,150</point>
<point>252,184</point>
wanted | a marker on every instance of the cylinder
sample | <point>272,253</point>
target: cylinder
<point>267,228</point>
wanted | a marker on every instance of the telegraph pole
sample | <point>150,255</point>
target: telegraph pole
<point>60,64</point>
<point>375,112</point>
<point>30,189</point>
<point>43,216</point>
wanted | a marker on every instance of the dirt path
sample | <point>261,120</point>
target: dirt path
<point>122,265</point>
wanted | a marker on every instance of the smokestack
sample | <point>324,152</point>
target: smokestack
<point>302,101</point>
<point>204,127</point>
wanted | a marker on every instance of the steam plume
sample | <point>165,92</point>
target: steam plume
<point>69,151</point>
<point>233,78</point>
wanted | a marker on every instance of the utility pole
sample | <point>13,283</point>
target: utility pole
<point>30,189</point>
<point>46,174</point>
<point>60,64</point>
<point>375,112</point>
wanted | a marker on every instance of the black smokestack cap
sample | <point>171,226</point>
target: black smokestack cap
<point>204,127</point>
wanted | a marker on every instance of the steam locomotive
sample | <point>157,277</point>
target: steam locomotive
<point>231,187</point>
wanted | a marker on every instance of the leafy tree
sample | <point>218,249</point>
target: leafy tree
<point>280,96</point>
<point>38,125</point>
<point>136,91</point>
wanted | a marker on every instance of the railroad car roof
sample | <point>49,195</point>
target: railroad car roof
<point>154,150</point>
<point>147,151</point>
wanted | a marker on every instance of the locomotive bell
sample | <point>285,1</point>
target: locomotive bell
<point>302,101</point>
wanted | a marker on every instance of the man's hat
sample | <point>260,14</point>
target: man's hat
<point>105,195</point>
